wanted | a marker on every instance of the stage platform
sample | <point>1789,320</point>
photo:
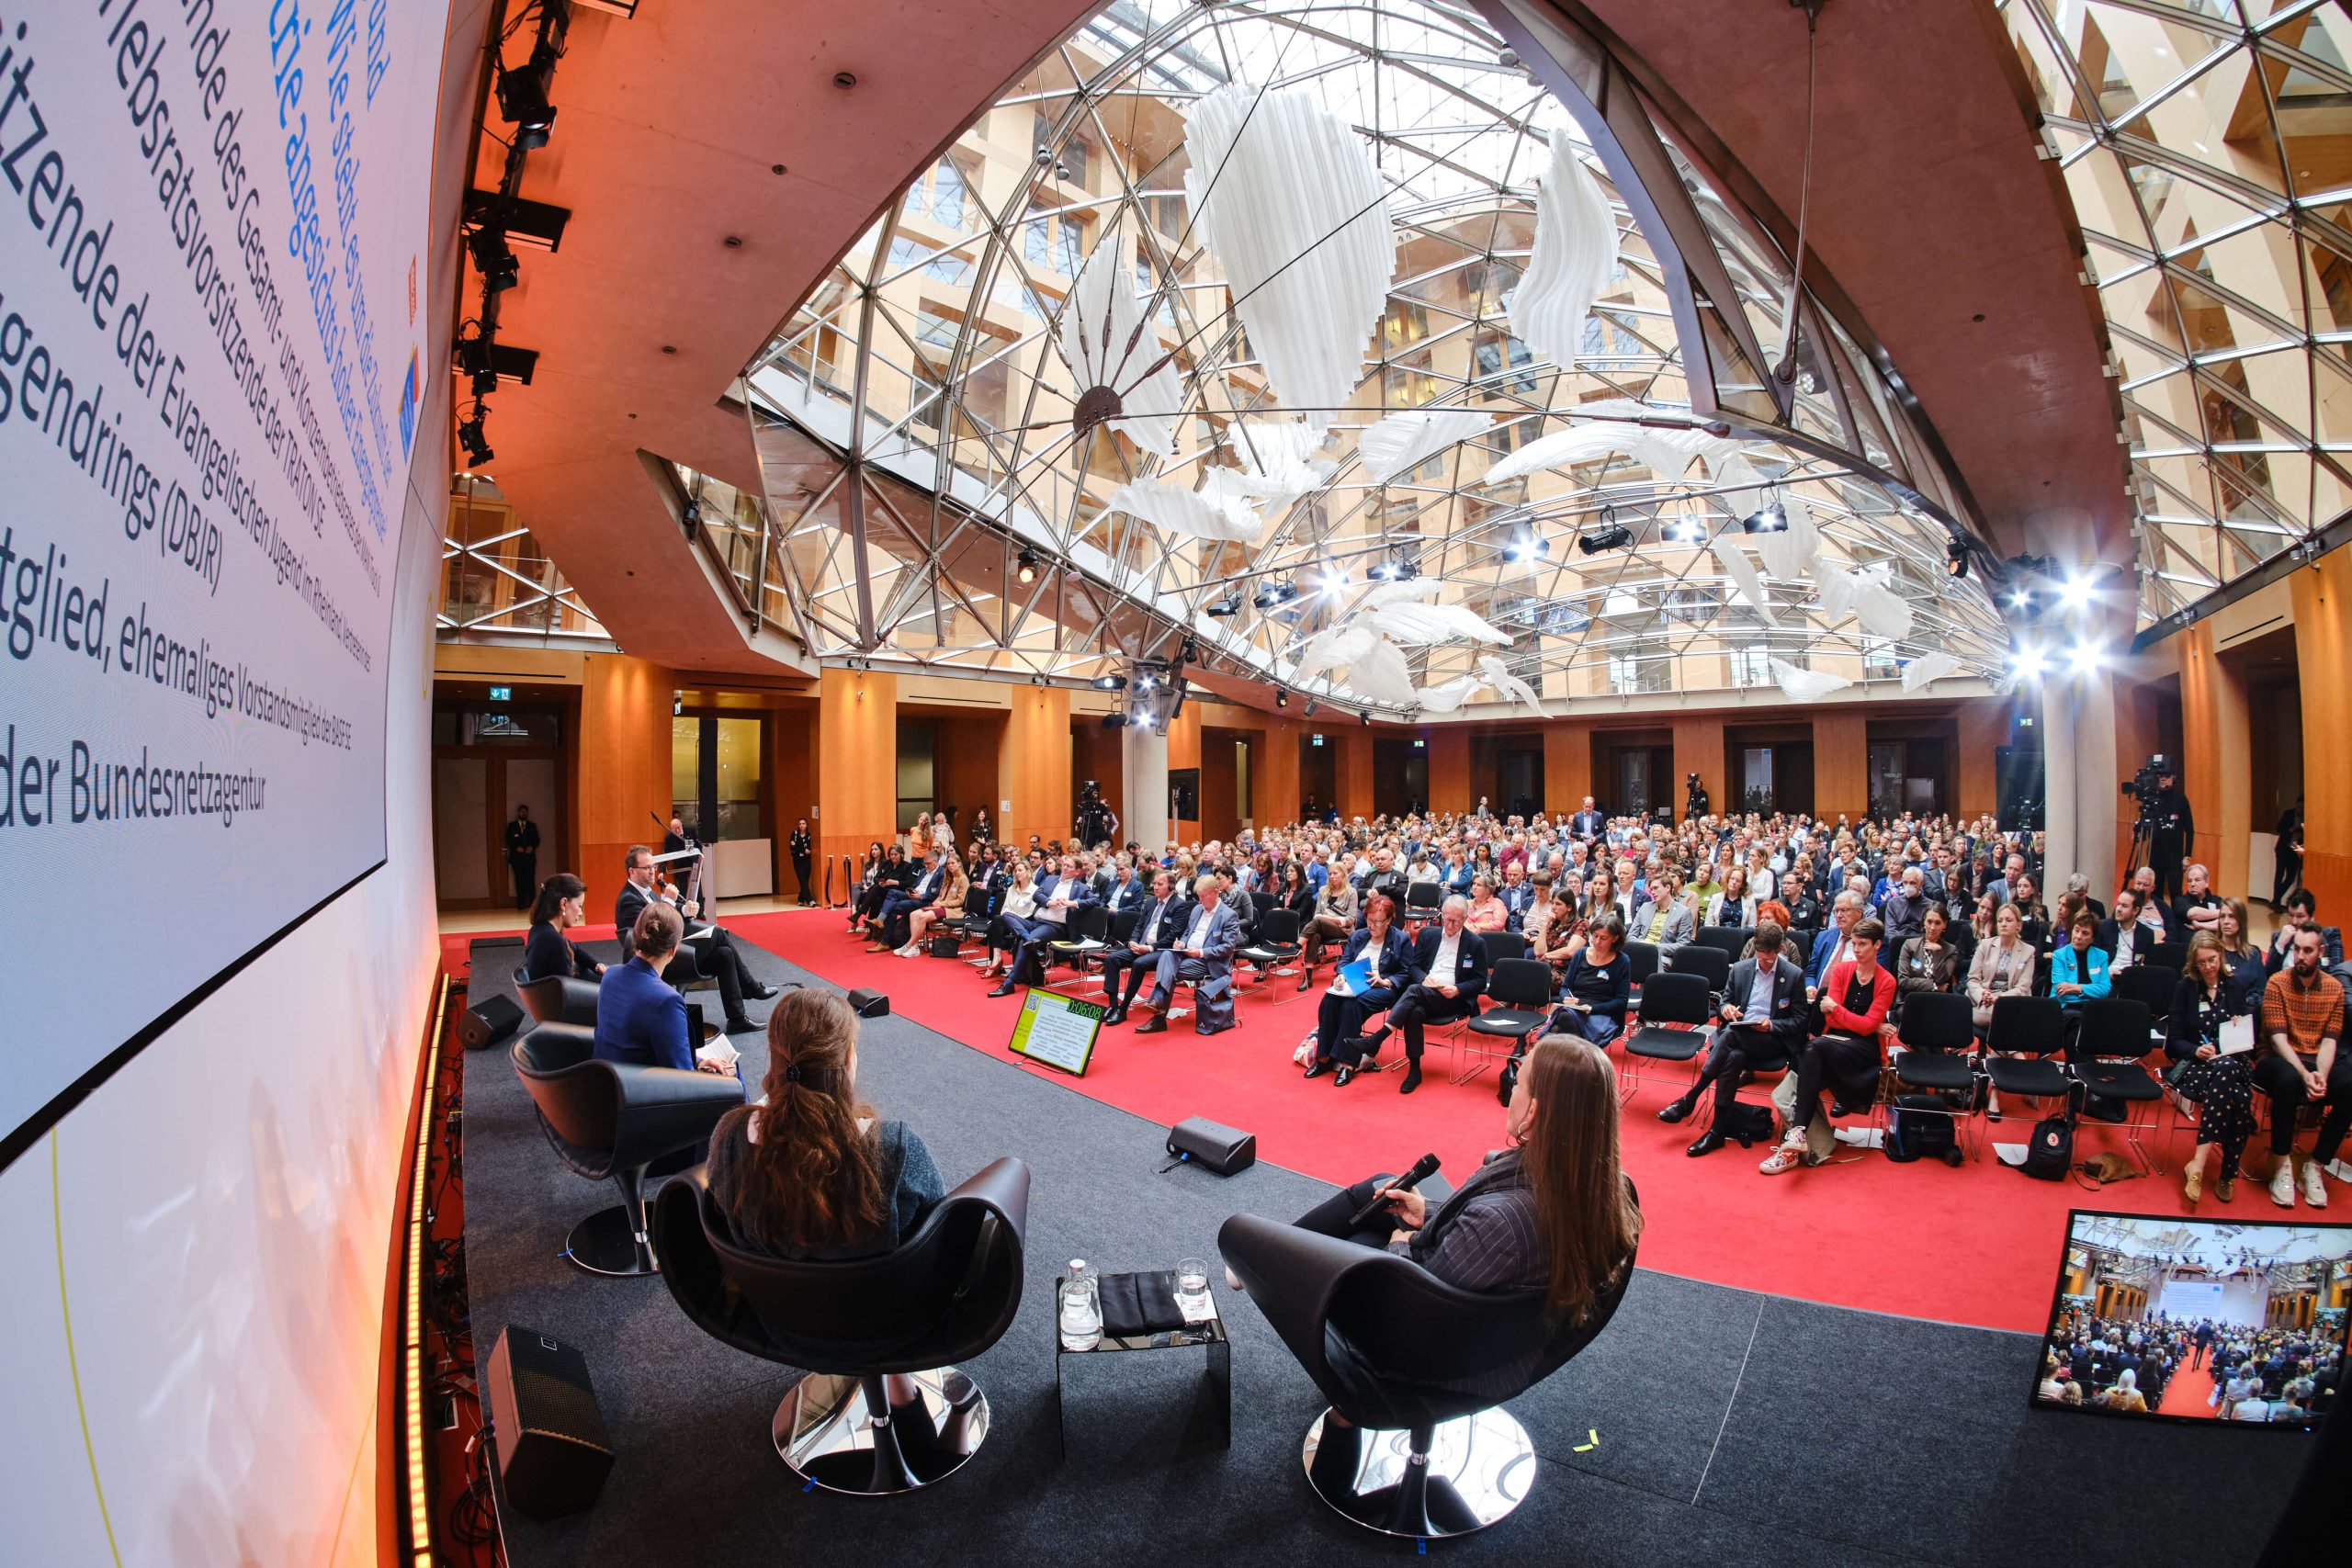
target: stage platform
<point>1708,1424</point>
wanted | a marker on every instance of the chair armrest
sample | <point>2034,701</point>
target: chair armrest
<point>1292,1275</point>
<point>579,1001</point>
<point>552,1048</point>
<point>1003,1185</point>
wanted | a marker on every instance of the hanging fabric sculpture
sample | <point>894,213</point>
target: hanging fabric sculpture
<point>1399,442</point>
<point>1574,257</point>
<point>1736,565</point>
<point>1928,669</point>
<point>1807,685</point>
<point>1123,374</point>
<point>1283,193</point>
<point>1175,510</point>
<point>1665,451</point>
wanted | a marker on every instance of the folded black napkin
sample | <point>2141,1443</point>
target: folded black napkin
<point>1140,1303</point>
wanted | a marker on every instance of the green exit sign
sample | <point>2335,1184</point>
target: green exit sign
<point>501,694</point>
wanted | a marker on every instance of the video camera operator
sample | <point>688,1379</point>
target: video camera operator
<point>1096,821</point>
<point>2166,819</point>
<point>1694,803</point>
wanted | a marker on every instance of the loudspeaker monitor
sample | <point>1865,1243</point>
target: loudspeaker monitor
<point>480,1027</point>
<point>1199,1141</point>
<point>549,1437</point>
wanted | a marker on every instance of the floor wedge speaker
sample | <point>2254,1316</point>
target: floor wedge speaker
<point>552,1451</point>
<point>1199,1141</point>
<point>480,1027</point>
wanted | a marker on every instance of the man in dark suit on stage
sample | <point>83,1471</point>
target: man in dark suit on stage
<point>1452,958</point>
<point>716,959</point>
<point>1764,1018</point>
<point>1204,955</point>
<point>1159,920</point>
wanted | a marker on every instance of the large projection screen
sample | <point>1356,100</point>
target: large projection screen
<point>212,217</point>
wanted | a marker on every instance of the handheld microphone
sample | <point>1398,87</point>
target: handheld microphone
<point>1423,1168</point>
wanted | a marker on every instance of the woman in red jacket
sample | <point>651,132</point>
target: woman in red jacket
<point>1855,998</point>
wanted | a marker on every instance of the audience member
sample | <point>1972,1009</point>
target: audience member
<point>1597,984</point>
<point>2219,1083</point>
<point>1204,958</point>
<point>1855,999</point>
<point>2301,1026</point>
<point>1452,961</point>
<point>1763,1018</point>
<point>1386,954</point>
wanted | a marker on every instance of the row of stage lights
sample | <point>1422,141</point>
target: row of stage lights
<point>2038,586</point>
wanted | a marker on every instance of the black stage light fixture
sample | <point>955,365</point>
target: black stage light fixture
<point>1684,531</point>
<point>1308,711</point>
<point>493,259</point>
<point>1226,607</point>
<point>1956,558</point>
<point>1365,719</point>
<point>1769,518</point>
<point>690,518</point>
<point>1109,683</point>
<point>1282,699</point>
<point>1381,571</point>
<point>522,99</point>
<point>470,436</point>
<point>1025,565</point>
<point>1114,721</point>
<point>1610,534</point>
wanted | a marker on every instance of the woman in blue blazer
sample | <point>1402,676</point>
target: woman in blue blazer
<point>1382,945</point>
<point>2078,973</point>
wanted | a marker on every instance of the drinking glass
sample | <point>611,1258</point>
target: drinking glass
<point>1191,1279</point>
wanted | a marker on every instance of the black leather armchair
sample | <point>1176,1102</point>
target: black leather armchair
<point>609,1121</point>
<point>882,1410</point>
<point>1410,1344</point>
<point>558,998</point>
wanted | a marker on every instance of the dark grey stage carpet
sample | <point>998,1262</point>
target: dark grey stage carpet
<point>1732,1429</point>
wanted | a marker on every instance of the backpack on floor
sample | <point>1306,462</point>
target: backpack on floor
<point>1745,1124</point>
<point>947,945</point>
<point>1920,1126</point>
<point>2050,1150</point>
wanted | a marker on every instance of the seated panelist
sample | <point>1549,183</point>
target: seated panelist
<point>641,1019</point>
<point>1552,1212</point>
<point>811,1172</point>
<point>717,958</point>
<point>547,953</point>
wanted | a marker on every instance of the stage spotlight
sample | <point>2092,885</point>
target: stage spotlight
<point>1308,711</point>
<point>677,705</point>
<point>2029,663</point>
<point>1365,720</point>
<point>689,519</point>
<point>523,100</point>
<point>1956,558</point>
<point>469,436</point>
<point>1526,548</point>
<point>1267,596</point>
<point>2075,595</point>
<point>1684,531</point>
<point>1382,572</point>
<point>1334,581</point>
<point>493,260</point>
<point>1282,699</point>
<point>1145,682</point>
<point>1768,519</point>
<point>2088,661</point>
<point>1109,683</point>
<point>1025,565</point>
<point>1226,607</point>
<point>1114,721</point>
<point>1608,536</point>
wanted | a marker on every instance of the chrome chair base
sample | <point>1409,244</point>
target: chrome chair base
<point>877,1436</point>
<point>608,1243</point>
<point>1478,1468</point>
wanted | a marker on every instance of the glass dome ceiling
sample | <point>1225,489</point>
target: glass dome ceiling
<point>1262,328</point>
<point>2208,148</point>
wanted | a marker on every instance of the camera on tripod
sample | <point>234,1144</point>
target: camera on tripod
<point>1694,801</point>
<point>2146,787</point>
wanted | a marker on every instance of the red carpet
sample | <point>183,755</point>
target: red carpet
<point>1979,1245</point>
<point>2188,1392</point>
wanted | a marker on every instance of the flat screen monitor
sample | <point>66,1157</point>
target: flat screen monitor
<point>2164,1317</point>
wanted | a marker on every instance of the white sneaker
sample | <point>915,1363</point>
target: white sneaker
<point>2282,1182</point>
<point>2315,1185</point>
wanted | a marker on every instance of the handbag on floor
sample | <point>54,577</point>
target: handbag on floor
<point>1745,1123</point>
<point>946,945</point>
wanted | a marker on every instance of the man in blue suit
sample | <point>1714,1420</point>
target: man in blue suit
<point>899,906</point>
<point>640,1019</point>
<point>1204,955</point>
<point>1835,943</point>
<point>1452,961</point>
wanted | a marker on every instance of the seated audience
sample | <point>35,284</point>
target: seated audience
<point>2302,909</point>
<point>1926,961</point>
<point>891,918</point>
<point>1334,920</point>
<point>2301,1029</point>
<point>1386,954</point>
<point>946,905</point>
<point>547,953</point>
<point>2078,973</point>
<point>2002,965</point>
<point>2220,1086</point>
<point>1451,958</point>
<point>1011,927</point>
<point>2241,958</point>
<point>1203,957</point>
<point>1158,923</point>
<point>2127,936</point>
<point>1764,1018</point>
<point>1597,984</point>
<point>810,1172</point>
<point>1855,999</point>
<point>1487,912</point>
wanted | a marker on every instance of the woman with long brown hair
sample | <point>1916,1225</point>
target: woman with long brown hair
<point>1553,1212</point>
<point>813,1172</point>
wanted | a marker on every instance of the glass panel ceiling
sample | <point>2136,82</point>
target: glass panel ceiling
<point>937,407</point>
<point>2208,146</point>
<point>498,584</point>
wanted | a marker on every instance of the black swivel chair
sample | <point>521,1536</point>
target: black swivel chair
<point>562,1000</point>
<point>883,1409</point>
<point>609,1121</point>
<point>1462,1463</point>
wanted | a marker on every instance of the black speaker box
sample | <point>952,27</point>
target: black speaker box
<point>869,1004</point>
<point>553,1455</point>
<point>1199,1141</point>
<point>482,1027</point>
